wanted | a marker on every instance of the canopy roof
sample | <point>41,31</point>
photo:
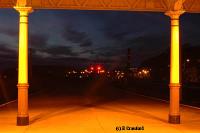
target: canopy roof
<point>192,6</point>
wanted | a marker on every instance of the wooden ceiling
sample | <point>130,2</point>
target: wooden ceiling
<point>192,6</point>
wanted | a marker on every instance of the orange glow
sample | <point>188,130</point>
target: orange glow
<point>174,99</point>
<point>102,71</point>
<point>98,68</point>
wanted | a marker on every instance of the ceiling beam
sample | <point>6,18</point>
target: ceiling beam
<point>192,6</point>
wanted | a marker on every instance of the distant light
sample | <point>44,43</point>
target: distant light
<point>188,60</point>
<point>74,71</point>
<point>92,68</point>
<point>102,71</point>
<point>145,72</point>
<point>98,68</point>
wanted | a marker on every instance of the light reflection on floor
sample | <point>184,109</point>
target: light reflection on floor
<point>78,114</point>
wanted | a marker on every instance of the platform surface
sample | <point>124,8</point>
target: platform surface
<point>60,113</point>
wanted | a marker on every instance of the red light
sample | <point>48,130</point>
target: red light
<point>98,68</point>
<point>92,68</point>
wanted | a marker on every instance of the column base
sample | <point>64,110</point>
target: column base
<point>174,119</point>
<point>22,121</point>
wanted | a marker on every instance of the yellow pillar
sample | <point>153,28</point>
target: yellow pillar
<point>22,115</point>
<point>174,112</point>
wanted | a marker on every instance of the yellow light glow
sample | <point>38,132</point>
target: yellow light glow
<point>145,72</point>
<point>23,49</point>
<point>174,76</point>
<point>102,71</point>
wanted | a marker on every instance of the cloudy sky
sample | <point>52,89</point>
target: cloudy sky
<point>80,36</point>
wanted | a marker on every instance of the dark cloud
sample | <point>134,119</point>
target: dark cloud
<point>61,50</point>
<point>9,32</point>
<point>55,52</point>
<point>86,43</point>
<point>117,35</point>
<point>69,61</point>
<point>6,52</point>
<point>141,47</point>
<point>40,47</point>
<point>131,25</point>
<point>147,46</point>
<point>90,51</point>
<point>74,36</point>
<point>38,41</point>
<point>150,43</point>
<point>109,52</point>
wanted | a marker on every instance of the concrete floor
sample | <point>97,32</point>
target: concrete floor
<point>58,113</point>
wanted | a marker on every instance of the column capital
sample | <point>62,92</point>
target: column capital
<point>174,14</point>
<point>23,10</point>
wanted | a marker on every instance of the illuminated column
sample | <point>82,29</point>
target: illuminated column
<point>174,113</point>
<point>22,115</point>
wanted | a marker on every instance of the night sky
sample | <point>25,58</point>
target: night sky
<point>76,37</point>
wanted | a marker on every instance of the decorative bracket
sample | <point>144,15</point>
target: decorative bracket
<point>22,3</point>
<point>177,5</point>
